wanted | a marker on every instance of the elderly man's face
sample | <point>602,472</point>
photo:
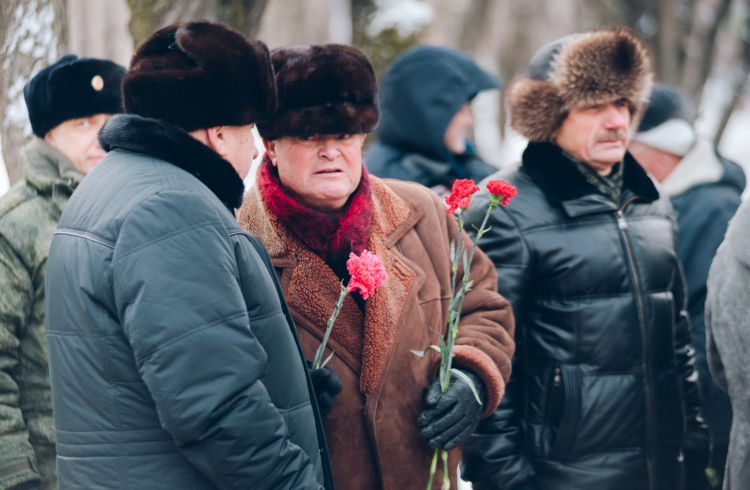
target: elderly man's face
<point>323,170</point>
<point>597,134</point>
<point>78,140</point>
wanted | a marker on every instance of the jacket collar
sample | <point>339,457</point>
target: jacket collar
<point>562,183</point>
<point>699,166</point>
<point>50,172</point>
<point>46,167</point>
<point>330,235</point>
<point>172,144</point>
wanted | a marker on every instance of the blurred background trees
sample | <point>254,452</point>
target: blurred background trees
<point>702,46</point>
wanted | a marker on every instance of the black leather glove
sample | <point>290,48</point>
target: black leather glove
<point>695,463</point>
<point>451,417</point>
<point>327,385</point>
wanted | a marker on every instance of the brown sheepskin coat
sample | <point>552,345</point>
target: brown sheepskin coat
<point>371,430</point>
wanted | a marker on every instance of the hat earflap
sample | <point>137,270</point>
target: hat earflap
<point>536,110</point>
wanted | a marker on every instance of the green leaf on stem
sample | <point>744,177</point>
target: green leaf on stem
<point>422,353</point>
<point>327,359</point>
<point>468,381</point>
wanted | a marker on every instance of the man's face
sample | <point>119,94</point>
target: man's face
<point>78,140</point>
<point>597,134</point>
<point>455,134</point>
<point>324,170</point>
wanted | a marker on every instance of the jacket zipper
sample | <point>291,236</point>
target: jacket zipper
<point>646,365</point>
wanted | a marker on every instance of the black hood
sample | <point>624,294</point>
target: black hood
<point>419,94</point>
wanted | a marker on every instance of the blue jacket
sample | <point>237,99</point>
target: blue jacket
<point>705,190</point>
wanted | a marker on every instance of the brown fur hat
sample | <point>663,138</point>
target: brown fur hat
<point>591,68</point>
<point>199,75</point>
<point>323,89</point>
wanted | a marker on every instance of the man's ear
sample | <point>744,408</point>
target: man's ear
<point>270,146</point>
<point>217,141</point>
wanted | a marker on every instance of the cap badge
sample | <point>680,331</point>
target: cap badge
<point>97,83</point>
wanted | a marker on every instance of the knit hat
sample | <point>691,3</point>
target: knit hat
<point>72,87</point>
<point>200,75</point>
<point>595,67</point>
<point>667,122</point>
<point>323,89</point>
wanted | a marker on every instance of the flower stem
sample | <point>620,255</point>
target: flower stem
<point>329,326</point>
<point>481,231</point>
<point>433,469</point>
<point>446,475</point>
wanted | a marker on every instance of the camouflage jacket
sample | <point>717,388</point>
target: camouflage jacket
<point>28,217</point>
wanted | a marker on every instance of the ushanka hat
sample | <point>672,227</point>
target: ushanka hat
<point>70,88</point>
<point>667,123</point>
<point>200,75</point>
<point>322,89</point>
<point>595,67</point>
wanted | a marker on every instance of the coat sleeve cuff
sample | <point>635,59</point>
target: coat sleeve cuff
<point>476,361</point>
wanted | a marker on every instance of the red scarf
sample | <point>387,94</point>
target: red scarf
<point>330,235</point>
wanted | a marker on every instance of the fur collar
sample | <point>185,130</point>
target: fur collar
<point>701,165</point>
<point>172,144</point>
<point>329,235</point>
<point>561,181</point>
<point>45,168</point>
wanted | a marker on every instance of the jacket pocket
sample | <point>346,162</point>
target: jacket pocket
<point>563,410</point>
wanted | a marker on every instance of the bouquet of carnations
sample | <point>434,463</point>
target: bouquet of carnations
<point>501,193</point>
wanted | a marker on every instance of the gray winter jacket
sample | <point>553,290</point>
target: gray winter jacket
<point>174,363</point>
<point>728,339</point>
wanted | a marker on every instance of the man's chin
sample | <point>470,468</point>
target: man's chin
<point>612,156</point>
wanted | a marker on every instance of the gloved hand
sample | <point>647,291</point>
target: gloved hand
<point>451,417</point>
<point>327,385</point>
<point>694,463</point>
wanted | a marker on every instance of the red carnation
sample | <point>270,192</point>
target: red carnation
<point>501,188</point>
<point>461,194</point>
<point>367,273</point>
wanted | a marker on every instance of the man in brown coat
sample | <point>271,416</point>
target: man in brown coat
<point>313,204</point>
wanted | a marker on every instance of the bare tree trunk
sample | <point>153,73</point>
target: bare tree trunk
<point>147,16</point>
<point>669,41</point>
<point>32,35</point>
<point>100,29</point>
<point>304,22</point>
<point>739,81</point>
<point>699,48</point>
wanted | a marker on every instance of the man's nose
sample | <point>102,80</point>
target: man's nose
<point>615,117</point>
<point>329,148</point>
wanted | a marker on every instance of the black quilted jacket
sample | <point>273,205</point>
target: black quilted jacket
<point>603,393</point>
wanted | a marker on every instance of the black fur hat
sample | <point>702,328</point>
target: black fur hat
<point>199,75</point>
<point>72,87</point>
<point>582,69</point>
<point>323,89</point>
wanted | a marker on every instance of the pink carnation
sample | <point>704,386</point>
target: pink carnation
<point>367,273</point>
<point>502,188</point>
<point>461,193</point>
